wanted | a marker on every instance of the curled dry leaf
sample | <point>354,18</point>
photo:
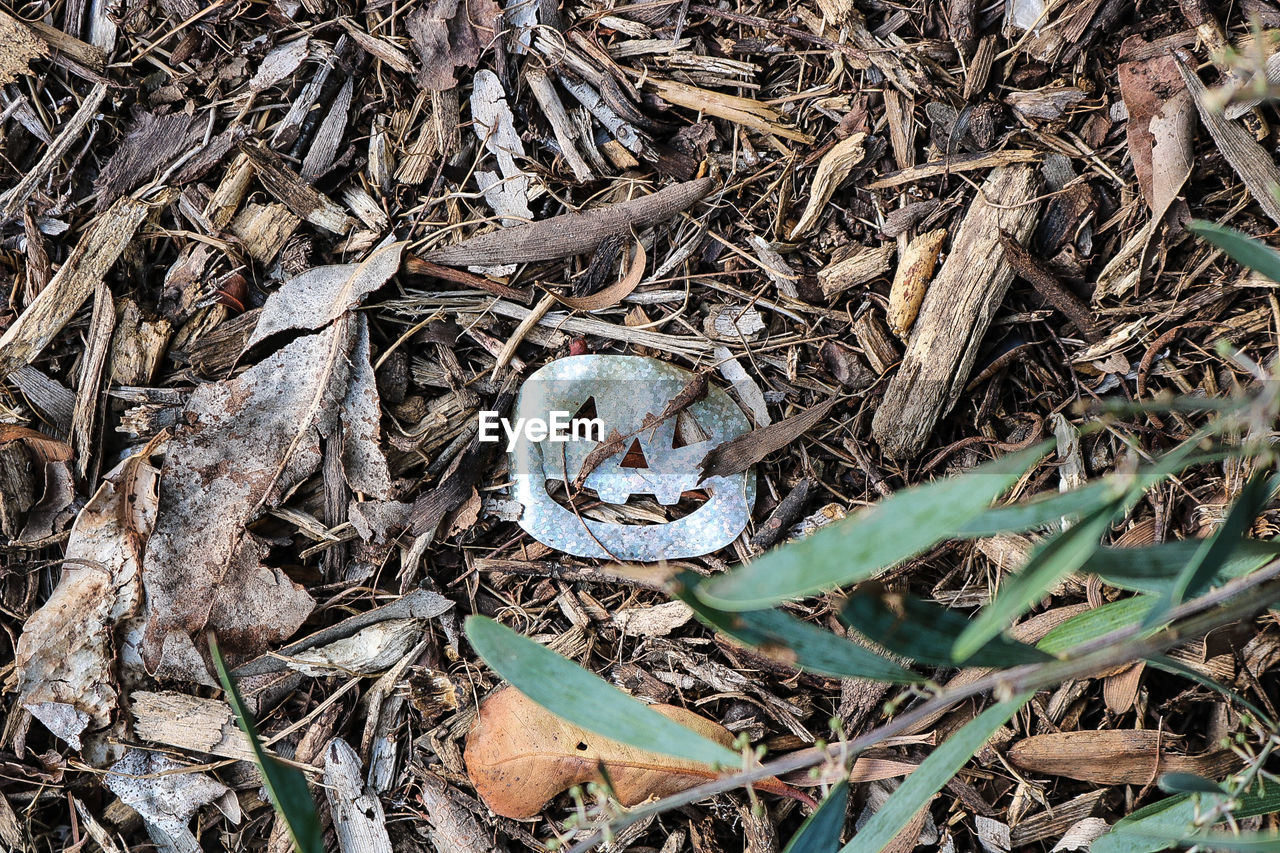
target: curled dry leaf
<point>65,656</point>
<point>450,34</point>
<point>1116,757</point>
<point>835,166</point>
<point>914,273</point>
<point>519,756</point>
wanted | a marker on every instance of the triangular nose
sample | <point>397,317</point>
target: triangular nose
<point>635,456</point>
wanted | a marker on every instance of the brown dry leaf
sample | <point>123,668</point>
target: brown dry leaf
<point>519,756</point>
<point>242,444</point>
<point>20,47</point>
<point>739,454</point>
<point>614,293</point>
<point>835,167</point>
<point>1116,757</point>
<point>1161,121</point>
<point>66,654</point>
<point>449,34</point>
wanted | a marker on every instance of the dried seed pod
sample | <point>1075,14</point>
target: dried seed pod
<point>913,276</point>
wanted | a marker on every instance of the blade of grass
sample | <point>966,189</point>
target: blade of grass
<point>569,691</point>
<point>1154,568</point>
<point>925,632</point>
<point>1053,561</point>
<point>820,832</point>
<point>800,644</point>
<point>866,544</point>
<point>928,779</point>
<point>1241,248</point>
<point>1176,817</point>
<point>1095,623</point>
<point>285,785</point>
<point>1213,552</point>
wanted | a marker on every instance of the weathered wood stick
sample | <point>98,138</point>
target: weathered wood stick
<point>570,233</point>
<point>957,309</point>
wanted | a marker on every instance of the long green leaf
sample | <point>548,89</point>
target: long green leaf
<point>928,779</point>
<point>1060,556</point>
<point>875,539</point>
<point>927,633</point>
<point>1039,511</point>
<point>1154,568</point>
<point>1213,552</point>
<point>801,644</point>
<point>1146,840</point>
<point>820,832</point>
<point>1174,817</point>
<point>1241,248</point>
<point>285,785</point>
<point>1095,623</point>
<point>569,691</point>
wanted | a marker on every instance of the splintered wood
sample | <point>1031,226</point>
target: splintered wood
<point>955,314</point>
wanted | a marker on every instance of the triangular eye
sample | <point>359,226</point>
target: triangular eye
<point>587,409</point>
<point>688,430</point>
<point>635,457</point>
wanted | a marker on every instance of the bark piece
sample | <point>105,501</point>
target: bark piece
<point>571,233</point>
<point>358,819</point>
<point>20,47</point>
<point>960,304</point>
<point>151,143</point>
<point>295,193</point>
<point>739,454</point>
<point>860,266</point>
<point>89,261</point>
<point>834,167</point>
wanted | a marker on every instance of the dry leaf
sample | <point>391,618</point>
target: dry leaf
<point>519,756</point>
<point>1251,161</point>
<point>912,278</point>
<point>835,167</point>
<point>240,445</point>
<point>1116,756</point>
<point>449,34</point>
<point>1161,120</point>
<point>166,800</point>
<point>65,658</point>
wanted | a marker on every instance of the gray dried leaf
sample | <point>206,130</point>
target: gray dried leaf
<point>320,295</point>
<point>167,802</point>
<point>241,445</point>
<point>65,657</point>
<point>449,34</point>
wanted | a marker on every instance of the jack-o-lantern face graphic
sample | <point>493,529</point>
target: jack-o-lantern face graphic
<point>660,461</point>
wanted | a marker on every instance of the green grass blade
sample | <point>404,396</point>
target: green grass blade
<point>286,785</point>
<point>1059,557</point>
<point>569,691</point>
<point>928,779</point>
<point>803,645</point>
<point>1213,552</point>
<point>1174,818</point>
<point>1241,248</point>
<point>1095,623</point>
<point>1039,511</point>
<point>1154,568</point>
<point>927,633</point>
<point>1222,841</point>
<point>875,539</point>
<point>820,832</point>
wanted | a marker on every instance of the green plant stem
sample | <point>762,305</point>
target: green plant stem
<point>1238,600</point>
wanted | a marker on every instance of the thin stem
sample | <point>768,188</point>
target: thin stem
<point>1111,650</point>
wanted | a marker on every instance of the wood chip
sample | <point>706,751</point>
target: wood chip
<point>956,312</point>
